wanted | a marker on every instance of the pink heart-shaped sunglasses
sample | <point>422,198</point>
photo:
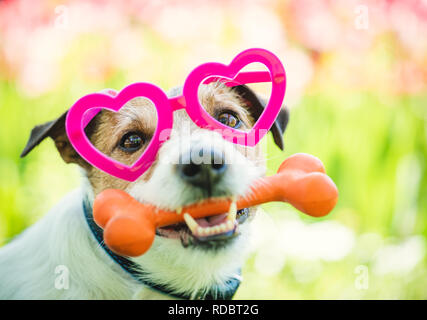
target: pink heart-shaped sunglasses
<point>86,108</point>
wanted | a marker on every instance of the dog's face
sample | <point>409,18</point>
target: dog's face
<point>193,164</point>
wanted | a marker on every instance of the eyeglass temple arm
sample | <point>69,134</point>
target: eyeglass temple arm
<point>242,78</point>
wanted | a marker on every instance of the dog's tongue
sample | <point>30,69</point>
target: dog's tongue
<point>212,220</point>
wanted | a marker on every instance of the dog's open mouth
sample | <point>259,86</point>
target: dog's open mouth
<point>216,228</point>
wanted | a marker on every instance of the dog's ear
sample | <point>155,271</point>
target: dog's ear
<point>256,106</point>
<point>56,131</point>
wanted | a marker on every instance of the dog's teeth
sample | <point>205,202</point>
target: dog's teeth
<point>226,226</point>
<point>232,212</point>
<point>179,210</point>
<point>206,231</point>
<point>191,223</point>
<point>230,224</point>
<point>200,231</point>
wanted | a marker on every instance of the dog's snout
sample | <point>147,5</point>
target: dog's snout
<point>202,167</point>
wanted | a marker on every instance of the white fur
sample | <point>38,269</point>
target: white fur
<point>62,238</point>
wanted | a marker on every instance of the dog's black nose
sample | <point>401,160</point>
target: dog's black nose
<point>202,167</point>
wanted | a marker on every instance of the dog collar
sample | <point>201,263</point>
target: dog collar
<point>217,292</point>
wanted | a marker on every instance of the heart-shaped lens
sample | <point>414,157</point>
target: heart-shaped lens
<point>123,137</point>
<point>217,98</point>
<point>235,103</point>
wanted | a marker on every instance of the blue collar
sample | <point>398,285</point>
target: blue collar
<point>217,292</point>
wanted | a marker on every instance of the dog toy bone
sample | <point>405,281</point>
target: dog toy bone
<point>130,226</point>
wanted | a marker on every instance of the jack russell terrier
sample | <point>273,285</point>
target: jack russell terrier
<point>179,264</point>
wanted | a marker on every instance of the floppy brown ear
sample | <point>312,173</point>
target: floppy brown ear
<point>56,131</point>
<point>256,106</point>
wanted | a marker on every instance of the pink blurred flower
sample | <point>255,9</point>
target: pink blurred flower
<point>313,23</point>
<point>53,41</point>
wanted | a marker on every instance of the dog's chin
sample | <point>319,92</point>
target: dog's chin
<point>217,231</point>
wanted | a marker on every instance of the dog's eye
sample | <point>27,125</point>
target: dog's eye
<point>229,119</point>
<point>131,141</point>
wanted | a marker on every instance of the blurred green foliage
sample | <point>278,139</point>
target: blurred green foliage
<point>370,145</point>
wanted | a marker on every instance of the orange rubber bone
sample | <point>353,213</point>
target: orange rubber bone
<point>129,226</point>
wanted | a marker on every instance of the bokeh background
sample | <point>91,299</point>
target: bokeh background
<point>357,80</point>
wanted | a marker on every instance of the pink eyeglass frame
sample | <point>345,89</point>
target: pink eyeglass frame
<point>86,108</point>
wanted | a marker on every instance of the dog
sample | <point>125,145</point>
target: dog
<point>62,256</point>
